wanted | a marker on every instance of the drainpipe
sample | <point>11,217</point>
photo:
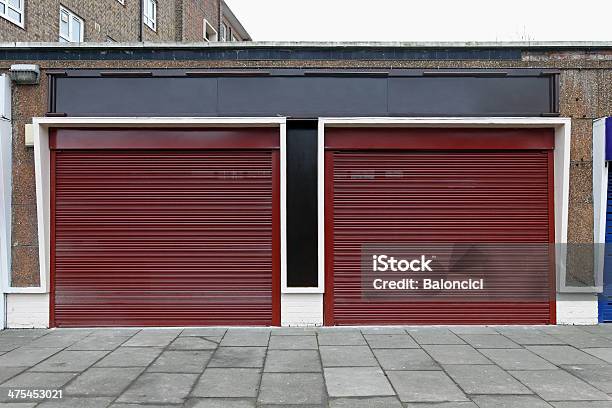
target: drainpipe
<point>140,20</point>
<point>220,17</point>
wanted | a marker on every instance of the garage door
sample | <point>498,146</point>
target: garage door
<point>165,227</point>
<point>480,190</point>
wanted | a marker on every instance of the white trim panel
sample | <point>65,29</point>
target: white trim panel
<point>301,309</point>
<point>600,197</point>
<point>6,138</point>
<point>577,308</point>
<point>27,310</point>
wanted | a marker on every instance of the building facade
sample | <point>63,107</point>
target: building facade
<point>252,184</point>
<point>118,21</point>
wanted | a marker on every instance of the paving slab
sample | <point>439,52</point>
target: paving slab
<point>39,380</point>
<point>372,402</point>
<point>59,338</point>
<point>152,338</point>
<point>405,359</point>
<point>204,332</point>
<point>238,357</point>
<point>103,381</point>
<point>291,388</point>
<point>293,342</point>
<point>564,355</point>
<point>472,330</point>
<point>599,376</point>
<point>99,342</point>
<point>434,335</point>
<point>586,340</point>
<point>228,382</point>
<point>485,379</point>
<point>582,404</point>
<point>425,386</point>
<point>25,356</point>
<point>293,361</point>
<point>464,404</point>
<point>517,359</point>
<point>347,356</point>
<point>221,403</point>
<point>242,338</point>
<point>130,357</point>
<point>489,341</point>
<point>70,361</point>
<point>602,353</point>
<point>388,341</point>
<point>95,402</point>
<point>558,385</point>
<point>7,372</point>
<point>510,401</point>
<point>455,354</point>
<point>357,382</point>
<point>530,337</point>
<point>294,331</point>
<point>193,343</point>
<point>159,388</point>
<point>11,343</point>
<point>32,333</point>
<point>383,330</point>
<point>341,338</point>
<point>175,361</point>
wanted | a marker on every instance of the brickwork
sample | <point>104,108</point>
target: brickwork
<point>109,20</point>
<point>585,94</point>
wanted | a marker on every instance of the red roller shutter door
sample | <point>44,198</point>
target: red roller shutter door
<point>430,185</point>
<point>165,228</point>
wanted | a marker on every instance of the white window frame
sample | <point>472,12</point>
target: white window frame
<point>20,10</point>
<point>150,20</point>
<point>122,2</point>
<point>71,17</point>
<point>208,32</point>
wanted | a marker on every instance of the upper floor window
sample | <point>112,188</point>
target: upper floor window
<point>224,32</point>
<point>12,10</point>
<point>150,14</point>
<point>210,34</point>
<point>72,26</point>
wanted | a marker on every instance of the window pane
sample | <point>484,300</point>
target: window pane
<point>63,40</point>
<point>2,9</point>
<point>14,15</point>
<point>76,29</point>
<point>15,3</point>
<point>64,27</point>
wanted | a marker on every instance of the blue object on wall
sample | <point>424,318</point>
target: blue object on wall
<point>605,298</point>
<point>609,138</point>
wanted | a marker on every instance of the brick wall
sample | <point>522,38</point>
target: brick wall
<point>103,19</point>
<point>177,20</point>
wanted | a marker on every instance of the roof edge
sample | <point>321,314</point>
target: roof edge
<point>552,45</point>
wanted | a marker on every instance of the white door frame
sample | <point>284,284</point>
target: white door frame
<point>40,130</point>
<point>562,129</point>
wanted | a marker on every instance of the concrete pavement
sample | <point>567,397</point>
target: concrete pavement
<point>379,367</point>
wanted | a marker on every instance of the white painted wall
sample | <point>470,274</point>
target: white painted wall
<point>6,137</point>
